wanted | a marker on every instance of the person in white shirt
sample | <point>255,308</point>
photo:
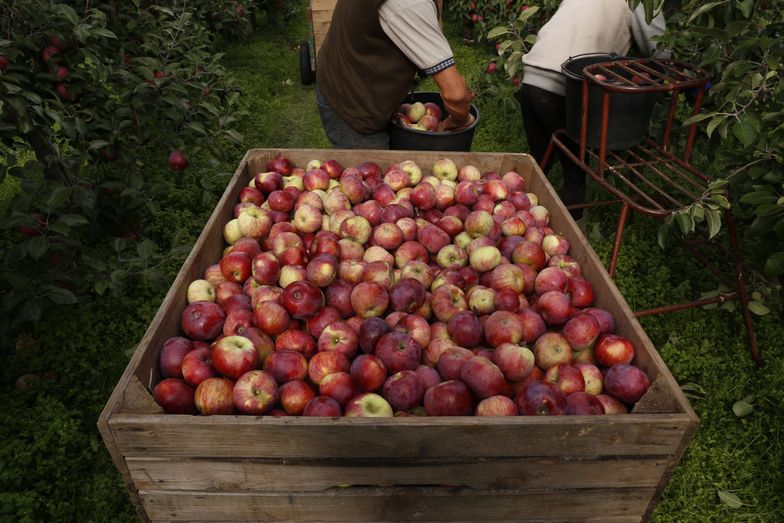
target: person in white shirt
<point>577,27</point>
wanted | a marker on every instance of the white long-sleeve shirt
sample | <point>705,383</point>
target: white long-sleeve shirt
<point>587,26</point>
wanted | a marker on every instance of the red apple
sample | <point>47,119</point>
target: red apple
<point>612,405</point>
<point>197,365</point>
<point>325,363</point>
<point>286,365</point>
<point>271,317</point>
<point>449,398</point>
<point>496,406</point>
<point>369,299</point>
<point>233,356</point>
<point>368,372</point>
<point>403,390</point>
<point>451,361</point>
<point>255,392</point>
<point>294,395</point>
<point>319,321</point>
<point>302,299</point>
<point>175,396</point>
<point>550,279</point>
<point>215,396</point>
<point>503,327</point>
<point>464,328</point>
<point>173,351</point>
<point>202,320</point>
<point>541,399</point>
<point>483,377</point>
<point>338,386</point>
<point>594,380</point>
<point>612,349</point>
<point>339,337</point>
<point>626,382</point>
<point>322,406</point>
<point>370,331</point>
<point>515,361</point>
<point>555,307</point>
<point>581,331</point>
<point>265,268</point>
<point>566,377</point>
<point>398,351</point>
<point>605,319</point>
<point>581,403</point>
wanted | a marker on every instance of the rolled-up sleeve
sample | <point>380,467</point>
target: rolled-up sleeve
<point>413,26</point>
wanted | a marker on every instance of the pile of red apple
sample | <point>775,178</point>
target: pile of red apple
<point>419,116</point>
<point>370,292</point>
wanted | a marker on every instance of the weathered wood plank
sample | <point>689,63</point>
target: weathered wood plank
<point>403,504</point>
<point>292,437</point>
<point>259,475</point>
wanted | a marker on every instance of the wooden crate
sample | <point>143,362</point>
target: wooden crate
<point>321,18</point>
<point>245,468</point>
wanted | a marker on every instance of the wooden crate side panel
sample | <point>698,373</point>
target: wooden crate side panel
<point>321,13</point>
<point>258,475</point>
<point>402,504</point>
<point>292,438</point>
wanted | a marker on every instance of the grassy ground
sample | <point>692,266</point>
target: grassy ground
<point>54,465</point>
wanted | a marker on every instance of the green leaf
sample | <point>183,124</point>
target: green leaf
<point>745,7</point>
<point>758,197</point>
<point>61,296</point>
<point>146,249</point>
<point>730,499</point>
<point>744,131</point>
<point>713,217</point>
<point>663,234</point>
<point>704,9</point>
<point>68,13</point>
<point>57,199</point>
<point>497,31</point>
<point>528,13</point>
<point>73,220</point>
<point>685,223</point>
<point>37,247</point>
<point>774,266</point>
<point>758,308</point>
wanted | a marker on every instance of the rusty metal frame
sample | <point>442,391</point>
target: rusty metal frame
<point>648,178</point>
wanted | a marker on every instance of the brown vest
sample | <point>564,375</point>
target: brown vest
<point>361,72</point>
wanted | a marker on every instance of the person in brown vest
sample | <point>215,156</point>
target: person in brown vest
<point>367,64</point>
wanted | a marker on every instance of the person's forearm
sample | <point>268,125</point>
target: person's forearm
<point>455,93</point>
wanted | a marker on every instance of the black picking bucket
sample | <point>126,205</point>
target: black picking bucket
<point>629,116</point>
<point>403,138</point>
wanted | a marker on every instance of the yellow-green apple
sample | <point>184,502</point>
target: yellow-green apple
<point>581,331</point>
<point>413,170</point>
<point>541,214</point>
<point>503,327</point>
<point>232,231</point>
<point>612,405</point>
<point>351,271</point>
<point>368,405</point>
<point>483,377</point>
<point>215,396</point>
<point>307,219</point>
<point>403,390</point>
<point>451,256</point>
<point>356,228</point>
<point>369,299</point>
<point>294,395</point>
<point>626,382</point>
<point>397,179</point>
<point>398,351</point>
<point>583,404</point>
<point>515,361</point>
<point>322,406</point>
<point>451,360</point>
<point>418,270</point>
<point>290,274</point>
<point>325,363</point>
<point>286,365</point>
<point>368,372</point>
<point>375,253</point>
<point>336,201</point>
<point>555,243</point>
<point>197,365</point>
<point>271,317</point>
<point>541,399</point>
<point>254,222</point>
<point>202,320</point>
<point>485,258</point>
<point>445,169</point>
<point>415,111</point>
<point>565,376</point>
<point>370,331</point>
<point>175,396</point>
<point>322,270</point>
<point>449,398</point>
<point>200,290</point>
<point>481,300</point>
<point>255,392</point>
<point>612,349</point>
<point>555,307</point>
<point>533,324</point>
<point>496,406</point>
<point>478,223</point>
<point>552,349</point>
<point>594,380</point>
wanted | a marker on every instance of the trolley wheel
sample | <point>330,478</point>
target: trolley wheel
<point>305,70</point>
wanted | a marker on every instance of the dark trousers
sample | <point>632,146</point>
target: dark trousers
<point>544,112</point>
<point>342,135</point>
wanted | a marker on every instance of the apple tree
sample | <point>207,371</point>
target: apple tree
<point>93,98</point>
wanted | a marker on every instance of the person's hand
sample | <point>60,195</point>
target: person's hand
<point>449,123</point>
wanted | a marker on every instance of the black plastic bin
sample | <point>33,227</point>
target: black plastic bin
<point>630,113</point>
<point>403,138</point>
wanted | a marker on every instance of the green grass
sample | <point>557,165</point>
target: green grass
<point>54,467</point>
